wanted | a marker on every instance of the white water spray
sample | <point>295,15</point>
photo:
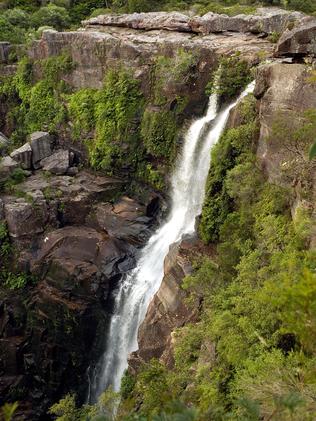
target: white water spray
<point>140,285</point>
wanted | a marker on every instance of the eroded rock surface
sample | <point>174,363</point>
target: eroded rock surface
<point>265,21</point>
<point>285,94</point>
<point>168,309</point>
<point>300,41</point>
<point>64,233</point>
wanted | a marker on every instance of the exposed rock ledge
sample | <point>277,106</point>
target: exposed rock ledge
<point>266,20</point>
<point>168,310</point>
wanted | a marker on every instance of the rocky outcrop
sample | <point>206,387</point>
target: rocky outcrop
<point>174,21</point>
<point>5,48</point>
<point>97,48</point>
<point>58,163</point>
<point>66,237</point>
<point>41,144</point>
<point>23,155</point>
<point>265,21</point>
<point>300,41</point>
<point>285,94</point>
<point>168,310</point>
<point>7,166</point>
<point>126,220</point>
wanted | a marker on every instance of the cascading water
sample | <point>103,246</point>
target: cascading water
<point>140,285</point>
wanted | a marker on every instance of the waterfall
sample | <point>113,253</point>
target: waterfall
<point>140,285</point>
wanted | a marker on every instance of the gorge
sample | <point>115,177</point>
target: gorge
<point>157,218</point>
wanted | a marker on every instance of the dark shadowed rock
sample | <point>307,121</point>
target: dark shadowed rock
<point>57,163</point>
<point>23,155</point>
<point>301,40</point>
<point>126,220</point>
<point>41,144</point>
<point>5,48</point>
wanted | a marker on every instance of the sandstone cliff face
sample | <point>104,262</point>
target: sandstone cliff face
<point>111,42</point>
<point>168,309</point>
<point>285,93</point>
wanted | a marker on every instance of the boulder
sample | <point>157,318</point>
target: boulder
<point>23,155</point>
<point>24,218</point>
<point>4,51</point>
<point>300,41</point>
<point>172,21</point>
<point>41,144</point>
<point>7,166</point>
<point>57,163</point>
<point>126,220</point>
<point>265,21</point>
<point>4,143</point>
<point>75,257</point>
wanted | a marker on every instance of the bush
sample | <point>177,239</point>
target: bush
<point>51,15</point>
<point>118,107</point>
<point>232,77</point>
<point>159,133</point>
<point>81,108</point>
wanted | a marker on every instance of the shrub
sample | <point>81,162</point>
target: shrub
<point>81,108</point>
<point>118,107</point>
<point>51,15</point>
<point>159,133</point>
<point>232,76</point>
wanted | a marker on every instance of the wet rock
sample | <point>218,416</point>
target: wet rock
<point>23,155</point>
<point>300,41</point>
<point>41,144</point>
<point>173,21</point>
<point>57,163</point>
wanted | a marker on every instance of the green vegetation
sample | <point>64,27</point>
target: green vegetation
<point>232,76</point>
<point>9,278</point>
<point>118,106</point>
<point>36,106</point>
<point>228,160</point>
<point>258,300</point>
